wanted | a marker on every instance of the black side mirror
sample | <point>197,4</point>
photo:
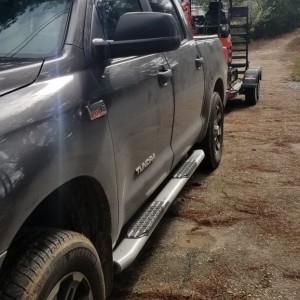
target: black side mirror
<point>140,33</point>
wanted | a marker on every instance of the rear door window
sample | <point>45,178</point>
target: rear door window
<point>110,11</point>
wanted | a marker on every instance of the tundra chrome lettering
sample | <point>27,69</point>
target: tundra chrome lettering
<point>145,164</point>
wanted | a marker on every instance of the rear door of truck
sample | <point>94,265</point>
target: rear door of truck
<point>188,81</point>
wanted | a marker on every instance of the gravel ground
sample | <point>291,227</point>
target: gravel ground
<point>235,233</point>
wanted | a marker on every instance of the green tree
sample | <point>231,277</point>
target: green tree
<point>267,17</point>
<point>272,17</point>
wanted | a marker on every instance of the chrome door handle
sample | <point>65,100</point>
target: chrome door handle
<point>199,62</point>
<point>164,77</point>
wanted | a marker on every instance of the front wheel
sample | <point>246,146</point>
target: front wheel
<point>53,265</point>
<point>213,141</point>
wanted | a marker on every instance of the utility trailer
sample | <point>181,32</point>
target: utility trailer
<point>242,79</point>
<point>233,30</point>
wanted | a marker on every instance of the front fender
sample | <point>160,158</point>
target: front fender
<point>38,159</point>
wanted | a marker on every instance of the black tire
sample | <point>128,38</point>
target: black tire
<point>252,95</point>
<point>52,264</point>
<point>213,141</point>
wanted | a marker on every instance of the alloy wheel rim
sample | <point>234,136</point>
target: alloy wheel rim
<point>218,130</point>
<point>74,286</point>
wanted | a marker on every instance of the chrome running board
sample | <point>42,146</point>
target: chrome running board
<point>140,230</point>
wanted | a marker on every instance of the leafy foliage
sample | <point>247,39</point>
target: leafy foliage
<point>267,17</point>
<point>272,17</point>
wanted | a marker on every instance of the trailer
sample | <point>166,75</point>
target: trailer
<point>232,27</point>
<point>243,79</point>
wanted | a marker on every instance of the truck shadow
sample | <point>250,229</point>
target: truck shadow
<point>234,105</point>
<point>125,282</point>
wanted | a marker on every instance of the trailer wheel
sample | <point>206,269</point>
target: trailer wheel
<point>252,95</point>
<point>53,264</point>
<point>213,141</point>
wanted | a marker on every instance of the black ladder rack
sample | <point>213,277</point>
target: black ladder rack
<point>239,24</point>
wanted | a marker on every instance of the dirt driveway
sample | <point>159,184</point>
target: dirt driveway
<point>235,233</point>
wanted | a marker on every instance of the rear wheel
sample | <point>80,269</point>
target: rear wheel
<point>252,95</point>
<point>213,141</point>
<point>53,265</point>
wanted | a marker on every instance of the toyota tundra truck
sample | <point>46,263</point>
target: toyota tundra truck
<point>107,107</point>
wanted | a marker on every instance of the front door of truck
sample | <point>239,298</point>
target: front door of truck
<point>188,81</point>
<point>140,107</point>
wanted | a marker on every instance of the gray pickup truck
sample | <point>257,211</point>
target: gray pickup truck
<point>107,107</point>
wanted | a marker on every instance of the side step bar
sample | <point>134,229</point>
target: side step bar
<point>141,229</point>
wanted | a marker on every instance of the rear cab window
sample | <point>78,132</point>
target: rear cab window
<point>33,29</point>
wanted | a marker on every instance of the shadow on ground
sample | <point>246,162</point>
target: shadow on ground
<point>235,104</point>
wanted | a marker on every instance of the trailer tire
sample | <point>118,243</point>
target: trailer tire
<point>52,264</point>
<point>252,95</point>
<point>213,141</point>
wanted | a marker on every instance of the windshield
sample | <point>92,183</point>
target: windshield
<point>32,28</point>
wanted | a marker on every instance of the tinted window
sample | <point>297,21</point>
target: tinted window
<point>110,12</point>
<point>32,28</point>
<point>166,6</point>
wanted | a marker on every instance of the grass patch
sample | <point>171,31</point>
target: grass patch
<point>296,71</point>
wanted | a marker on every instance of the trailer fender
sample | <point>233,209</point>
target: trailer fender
<point>251,78</point>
